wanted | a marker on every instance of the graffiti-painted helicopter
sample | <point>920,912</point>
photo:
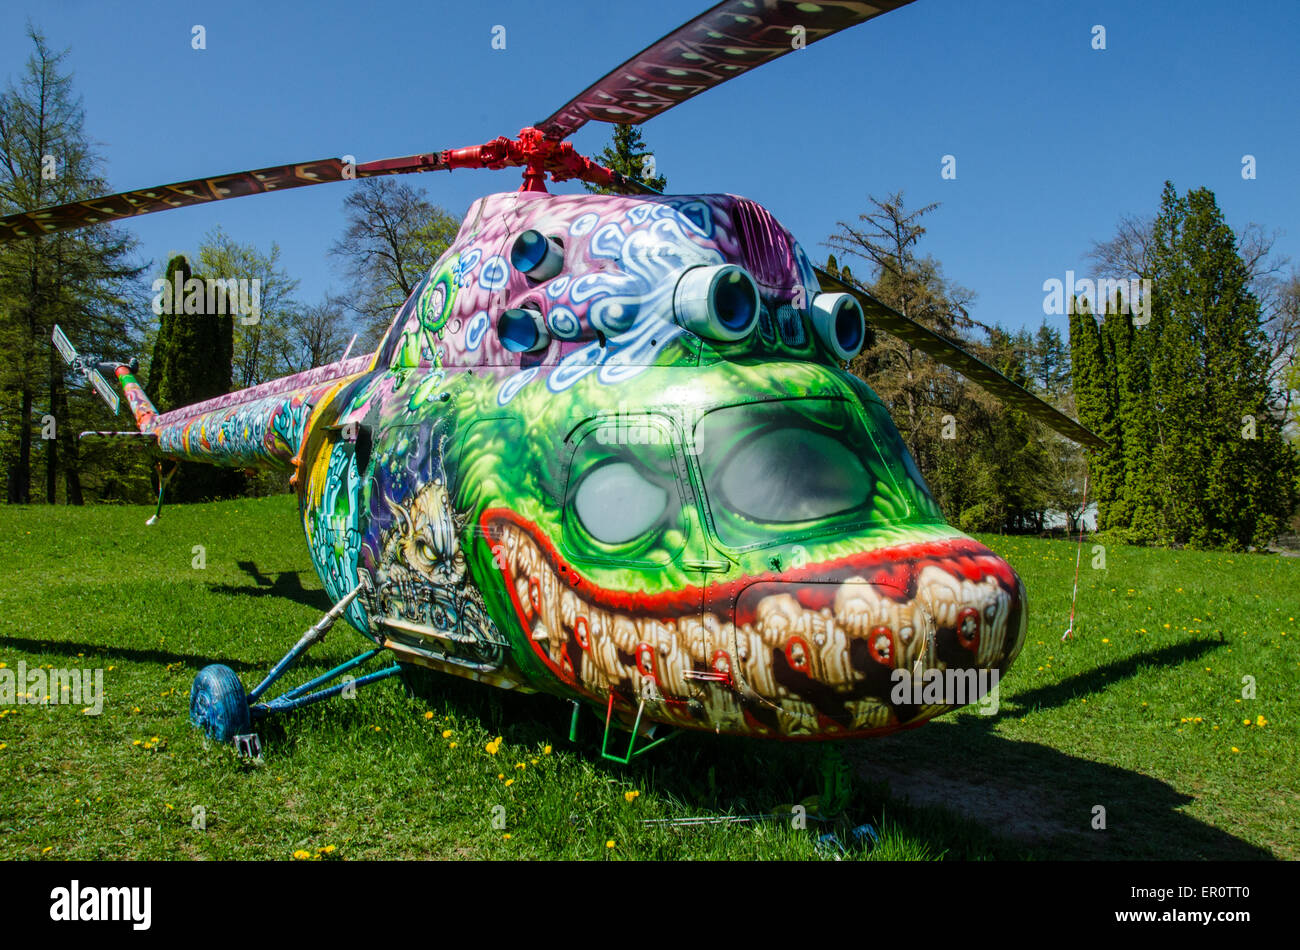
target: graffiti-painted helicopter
<point>608,448</point>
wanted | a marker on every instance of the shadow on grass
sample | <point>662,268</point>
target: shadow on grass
<point>958,786</point>
<point>75,648</point>
<point>82,649</point>
<point>286,584</point>
<point>1098,678</point>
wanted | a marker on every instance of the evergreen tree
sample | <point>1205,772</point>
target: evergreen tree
<point>81,280</point>
<point>1201,452</point>
<point>192,362</point>
<point>626,154</point>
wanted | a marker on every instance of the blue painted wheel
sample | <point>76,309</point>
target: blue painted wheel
<point>218,705</point>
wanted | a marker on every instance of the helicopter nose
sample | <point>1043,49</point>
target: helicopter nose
<point>831,643</point>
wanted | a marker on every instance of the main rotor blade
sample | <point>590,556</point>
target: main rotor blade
<point>719,44</point>
<point>128,204</point>
<point>973,368</point>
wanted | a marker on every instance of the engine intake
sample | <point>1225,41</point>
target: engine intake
<point>839,321</point>
<point>718,303</point>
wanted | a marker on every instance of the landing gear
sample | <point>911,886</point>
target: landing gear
<point>219,707</point>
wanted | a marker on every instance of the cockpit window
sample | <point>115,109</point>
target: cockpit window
<point>616,503</point>
<point>623,501</point>
<point>773,470</point>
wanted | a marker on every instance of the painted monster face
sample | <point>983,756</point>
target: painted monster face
<point>761,560</point>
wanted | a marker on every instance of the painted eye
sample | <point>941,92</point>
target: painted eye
<point>426,551</point>
<point>788,475</point>
<point>615,503</point>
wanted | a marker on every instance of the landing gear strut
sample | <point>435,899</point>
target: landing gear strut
<point>219,707</point>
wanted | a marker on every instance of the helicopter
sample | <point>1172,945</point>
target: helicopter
<point>609,449</point>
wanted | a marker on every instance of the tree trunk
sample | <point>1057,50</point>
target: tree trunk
<point>52,445</point>
<point>20,473</point>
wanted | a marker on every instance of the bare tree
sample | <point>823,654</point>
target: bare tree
<point>393,238</point>
<point>320,334</point>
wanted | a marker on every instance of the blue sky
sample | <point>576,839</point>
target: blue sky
<point>1054,141</point>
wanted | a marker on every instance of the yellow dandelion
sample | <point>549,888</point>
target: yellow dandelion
<point>493,746</point>
<point>453,745</point>
<point>509,782</point>
<point>301,855</point>
<point>1105,639</point>
<point>546,751</point>
<point>520,765</point>
<point>609,843</point>
<point>630,796</point>
<point>506,836</point>
<point>48,849</point>
<point>1261,721</point>
<point>328,849</point>
<point>428,715</point>
<point>1245,722</point>
<point>446,733</point>
<point>1235,749</point>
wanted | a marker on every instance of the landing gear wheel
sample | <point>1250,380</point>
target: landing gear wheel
<point>217,703</point>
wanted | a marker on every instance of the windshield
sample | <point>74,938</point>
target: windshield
<point>773,470</point>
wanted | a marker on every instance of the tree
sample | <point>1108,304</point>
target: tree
<point>1128,255</point>
<point>83,280</point>
<point>393,238</point>
<point>320,335</point>
<point>193,352</point>
<point>192,361</point>
<point>259,337</point>
<point>628,155</point>
<point>1200,436</point>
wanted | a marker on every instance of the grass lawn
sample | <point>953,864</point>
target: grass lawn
<point>1141,714</point>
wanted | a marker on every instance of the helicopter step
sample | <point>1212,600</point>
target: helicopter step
<point>219,706</point>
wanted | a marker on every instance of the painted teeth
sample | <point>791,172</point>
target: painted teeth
<point>653,657</point>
